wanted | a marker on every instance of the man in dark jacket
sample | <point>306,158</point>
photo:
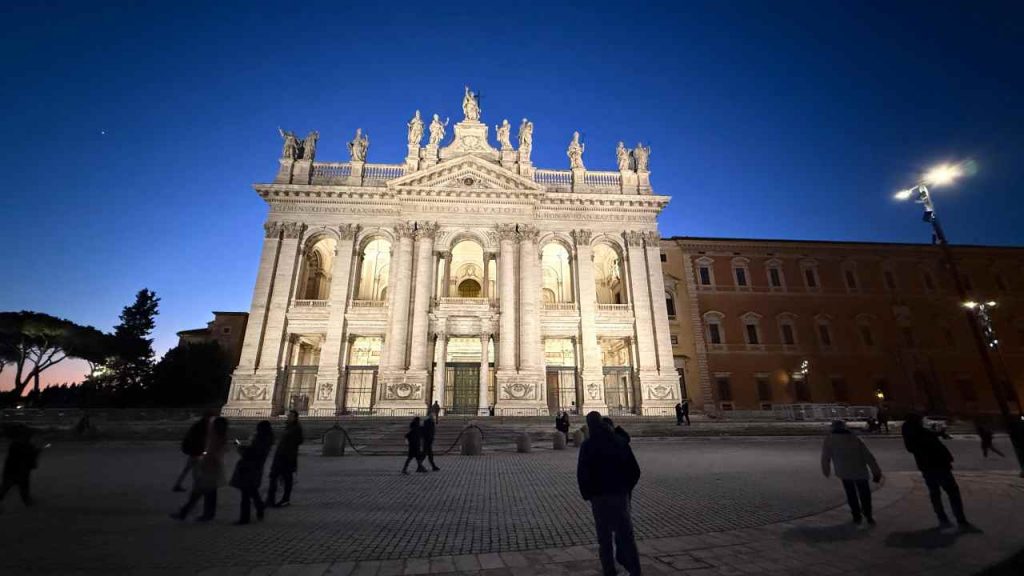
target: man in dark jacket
<point>286,461</point>
<point>429,430</point>
<point>22,457</point>
<point>192,446</point>
<point>679,413</point>
<point>686,411</point>
<point>606,472</point>
<point>936,465</point>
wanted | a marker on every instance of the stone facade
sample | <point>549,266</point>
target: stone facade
<point>226,329</point>
<point>464,275</point>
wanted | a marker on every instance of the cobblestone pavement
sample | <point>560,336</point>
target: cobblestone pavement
<point>104,508</point>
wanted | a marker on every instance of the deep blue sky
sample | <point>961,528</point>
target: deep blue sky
<point>766,119</point>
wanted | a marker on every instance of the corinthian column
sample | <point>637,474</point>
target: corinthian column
<point>662,340</point>
<point>591,370</point>
<point>329,371</point>
<point>421,300</point>
<point>398,331</point>
<point>529,297</point>
<point>507,291</point>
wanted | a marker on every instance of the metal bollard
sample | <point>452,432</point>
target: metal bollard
<point>523,443</point>
<point>558,441</point>
<point>472,442</point>
<point>334,442</point>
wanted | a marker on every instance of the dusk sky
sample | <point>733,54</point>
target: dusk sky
<point>133,131</point>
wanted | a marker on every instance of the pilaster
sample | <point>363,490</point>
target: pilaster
<point>591,371</point>
<point>424,281</point>
<point>507,290</point>
<point>647,363</point>
<point>402,287</point>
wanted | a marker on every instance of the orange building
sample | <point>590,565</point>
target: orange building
<point>862,318</point>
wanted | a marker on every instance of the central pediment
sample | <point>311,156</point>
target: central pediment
<point>466,173</point>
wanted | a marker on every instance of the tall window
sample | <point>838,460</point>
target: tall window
<point>788,338</point>
<point>810,272</point>
<point>705,272</point>
<point>866,336</point>
<point>967,282</point>
<point>776,281</point>
<point>466,275</point>
<point>374,270</point>
<point>715,333</point>
<point>890,280</point>
<point>608,275</point>
<point>850,278</point>
<point>723,388</point>
<point>741,272</point>
<point>824,333</point>
<point>787,328</point>
<point>751,328</point>
<point>557,273</point>
<point>670,305</point>
<point>1001,284</point>
<point>929,281</point>
<point>907,333</point>
<point>316,270</point>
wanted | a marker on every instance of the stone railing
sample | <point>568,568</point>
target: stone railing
<point>383,172</point>
<point>777,348</point>
<point>455,301</point>
<point>311,303</point>
<point>560,307</point>
<point>614,308</point>
<point>330,173</point>
<point>369,303</point>
<point>555,177</point>
<point>603,179</point>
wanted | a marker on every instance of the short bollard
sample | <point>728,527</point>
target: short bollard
<point>472,442</point>
<point>523,443</point>
<point>334,442</point>
<point>558,441</point>
<point>578,437</point>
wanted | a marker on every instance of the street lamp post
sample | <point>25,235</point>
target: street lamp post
<point>940,176</point>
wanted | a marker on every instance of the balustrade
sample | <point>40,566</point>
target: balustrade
<point>603,179</point>
<point>331,173</point>
<point>383,171</point>
<point>559,306</point>
<point>369,303</point>
<point>542,176</point>
<point>310,303</point>
<point>614,308</point>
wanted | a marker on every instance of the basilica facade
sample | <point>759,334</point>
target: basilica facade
<point>465,276</point>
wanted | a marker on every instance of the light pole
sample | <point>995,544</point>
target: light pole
<point>940,176</point>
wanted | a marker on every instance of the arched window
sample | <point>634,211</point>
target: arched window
<point>316,270</point>
<point>557,273</point>
<point>374,270</point>
<point>608,275</point>
<point>467,270</point>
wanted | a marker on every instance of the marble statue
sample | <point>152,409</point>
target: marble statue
<point>291,145</point>
<point>641,154</point>
<point>471,105</point>
<point>622,155</point>
<point>416,130</point>
<point>504,131</point>
<point>309,145</point>
<point>437,131</point>
<point>525,138</point>
<point>358,146</point>
<point>575,152</point>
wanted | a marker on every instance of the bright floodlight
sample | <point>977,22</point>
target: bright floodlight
<point>942,175</point>
<point>972,305</point>
<point>904,194</point>
<point>990,303</point>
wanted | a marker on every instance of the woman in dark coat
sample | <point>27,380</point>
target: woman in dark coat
<point>286,461</point>
<point>208,474</point>
<point>415,439</point>
<point>249,471</point>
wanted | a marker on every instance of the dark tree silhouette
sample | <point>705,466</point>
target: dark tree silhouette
<point>191,375</point>
<point>132,362</point>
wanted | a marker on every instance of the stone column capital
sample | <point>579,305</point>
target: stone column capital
<point>444,254</point>
<point>582,237</point>
<point>507,232</point>
<point>426,230</point>
<point>404,230</point>
<point>348,231</point>
<point>652,238</point>
<point>528,233</point>
<point>272,229</point>
<point>293,229</point>
<point>634,238</point>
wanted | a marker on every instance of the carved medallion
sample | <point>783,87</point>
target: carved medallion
<point>594,390</point>
<point>403,391</point>
<point>518,391</point>
<point>659,392</point>
<point>252,392</point>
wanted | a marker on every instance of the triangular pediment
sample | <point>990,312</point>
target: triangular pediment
<point>466,173</point>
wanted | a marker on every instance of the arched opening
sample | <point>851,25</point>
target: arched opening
<point>619,390</point>
<point>374,270</point>
<point>316,270</point>
<point>467,270</point>
<point>557,273</point>
<point>361,374</point>
<point>608,275</point>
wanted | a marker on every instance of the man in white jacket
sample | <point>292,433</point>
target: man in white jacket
<point>852,460</point>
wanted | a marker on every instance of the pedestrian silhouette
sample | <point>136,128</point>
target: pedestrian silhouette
<point>606,472</point>
<point>679,413</point>
<point>429,429</point>
<point>414,437</point>
<point>562,424</point>
<point>22,459</point>
<point>435,409</point>
<point>936,465</point>
<point>618,430</point>
<point>986,440</point>
<point>852,461</point>
<point>883,420</point>
<point>686,411</point>
<point>249,471</point>
<point>208,474</point>
<point>286,462</point>
<point>192,445</point>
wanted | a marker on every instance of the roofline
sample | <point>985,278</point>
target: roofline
<point>216,312</point>
<point>194,331</point>
<point>846,242</point>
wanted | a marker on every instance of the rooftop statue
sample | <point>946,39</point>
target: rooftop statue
<point>471,105</point>
<point>575,152</point>
<point>416,130</point>
<point>358,146</point>
<point>504,131</point>
<point>291,145</point>
<point>437,131</point>
<point>641,154</point>
<point>525,138</point>
<point>622,155</point>
<point>309,145</point>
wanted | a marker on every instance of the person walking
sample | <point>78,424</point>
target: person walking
<point>208,474</point>
<point>286,462</point>
<point>936,465</point>
<point>883,420</point>
<point>562,424</point>
<point>192,445</point>
<point>679,413</point>
<point>414,437</point>
<point>429,430</point>
<point>606,473</point>
<point>686,411</point>
<point>249,471</point>
<point>22,459</point>
<point>985,433</point>
<point>435,409</point>
<point>852,461</point>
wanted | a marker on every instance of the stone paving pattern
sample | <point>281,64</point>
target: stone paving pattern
<point>511,513</point>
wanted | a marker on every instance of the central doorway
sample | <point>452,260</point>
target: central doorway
<point>462,383</point>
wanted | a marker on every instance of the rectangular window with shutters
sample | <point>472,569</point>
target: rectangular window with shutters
<point>811,278</point>
<point>752,334</point>
<point>705,276</point>
<point>764,389</point>
<point>674,339</point>
<point>775,277</point>
<point>715,333</point>
<point>741,277</point>
<point>788,337</point>
<point>851,280</point>
<point>724,389</point>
